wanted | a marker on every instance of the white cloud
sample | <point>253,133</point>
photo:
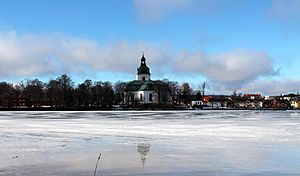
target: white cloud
<point>233,68</point>
<point>42,55</point>
<point>24,56</point>
<point>273,86</point>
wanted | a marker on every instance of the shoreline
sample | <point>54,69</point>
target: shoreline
<point>141,109</point>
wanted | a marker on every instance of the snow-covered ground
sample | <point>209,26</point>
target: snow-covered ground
<point>150,143</point>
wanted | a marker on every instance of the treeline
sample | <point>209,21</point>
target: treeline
<point>62,93</point>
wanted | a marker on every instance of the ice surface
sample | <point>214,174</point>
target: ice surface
<point>180,143</point>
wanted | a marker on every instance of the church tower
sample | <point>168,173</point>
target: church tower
<point>143,72</point>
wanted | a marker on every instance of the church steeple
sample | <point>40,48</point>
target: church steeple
<point>143,60</point>
<point>143,72</point>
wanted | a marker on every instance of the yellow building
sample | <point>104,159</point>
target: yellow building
<point>297,105</point>
<point>295,102</point>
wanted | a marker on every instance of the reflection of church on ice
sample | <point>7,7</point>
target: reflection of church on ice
<point>144,91</point>
<point>143,149</point>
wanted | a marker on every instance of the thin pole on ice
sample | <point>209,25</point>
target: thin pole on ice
<point>97,164</point>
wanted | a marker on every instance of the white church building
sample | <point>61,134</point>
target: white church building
<point>143,90</point>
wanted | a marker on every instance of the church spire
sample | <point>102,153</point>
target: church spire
<point>143,72</point>
<point>143,60</point>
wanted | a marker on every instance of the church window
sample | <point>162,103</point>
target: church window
<point>143,78</point>
<point>141,97</point>
<point>150,97</point>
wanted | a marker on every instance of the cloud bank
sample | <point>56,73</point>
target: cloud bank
<point>45,55</point>
<point>233,67</point>
<point>273,86</point>
<point>39,55</point>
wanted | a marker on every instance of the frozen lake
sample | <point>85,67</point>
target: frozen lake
<point>150,143</point>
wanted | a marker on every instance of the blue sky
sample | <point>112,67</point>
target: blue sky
<point>247,45</point>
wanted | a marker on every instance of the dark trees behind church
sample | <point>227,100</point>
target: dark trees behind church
<point>6,93</point>
<point>185,93</point>
<point>98,94</point>
<point>174,89</point>
<point>61,92</point>
<point>58,93</point>
<point>33,91</point>
<point>119,88</point>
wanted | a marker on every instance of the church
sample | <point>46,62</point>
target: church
<point>144,91</point>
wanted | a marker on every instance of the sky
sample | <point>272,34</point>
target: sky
<point>250,46</point>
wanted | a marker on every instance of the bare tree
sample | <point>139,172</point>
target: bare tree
<point>119,88</point>
<point>186,92</point>
<point>5,94</point>
<point>66,86</point>
<point>202,88</point>
<point>108,94</point>
<point>52,92</point>
<point>97,93</point>
<point>234,93</point>
<point>174,90</point>
<point>34,91</point>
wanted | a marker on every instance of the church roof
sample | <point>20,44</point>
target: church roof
<point>139,85</point>
<point>143,69</point>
